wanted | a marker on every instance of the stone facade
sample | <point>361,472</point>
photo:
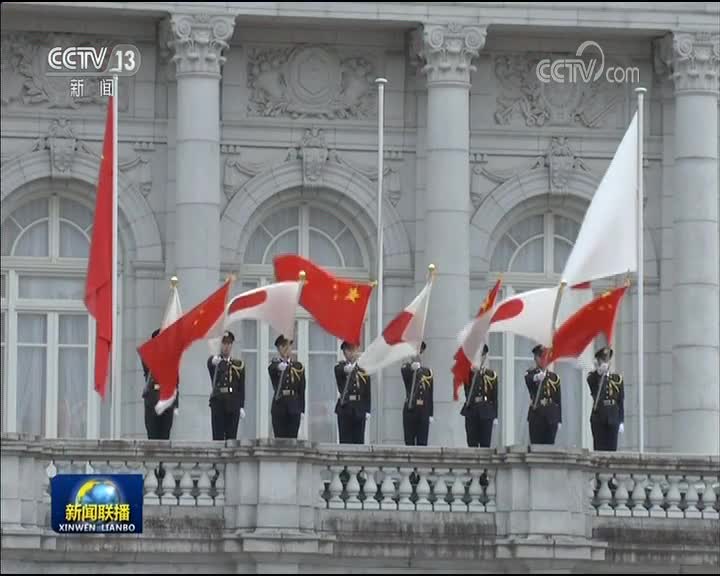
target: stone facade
<point>239,114</point>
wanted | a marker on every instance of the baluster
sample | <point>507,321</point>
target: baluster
<point>656,497</point>
<point>151,485</point>
<point>50,473</point>
<point>423,491</point>
<point>621,495</point>
<point>405,490</point>
<point>639,496</point>
<point>709,499</point>
<point>476,492</point>
<point>457,492</point>
<point>490,491</point>
<point>353,489</point>
<point>186,484</point>
<point>691,498</point>
<point>205,485</point>
<point>168,498</point>
<point>673,498</point>
<point>604,495</point>
<point>220,485</point>
<point>591,487</point>
<point>336,488</point>
<point>441,490</point>
<point>388,489</point>
<point>370,489</point>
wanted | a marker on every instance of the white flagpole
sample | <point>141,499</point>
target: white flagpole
<point>115,379</point>
<point>641,276</point>
<point>380,250</point>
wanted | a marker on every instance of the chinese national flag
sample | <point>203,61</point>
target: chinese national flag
<point>578,331</point>
<point>162,354</point>
<point>99,281</point>
<point>338,305</point>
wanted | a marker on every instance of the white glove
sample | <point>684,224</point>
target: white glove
<point>348,368</point>
<point>283,365</point>
<point>559,426</point>
<point>177,411</point>
<point>367,415</point>
<point>495,422</point>
<point>242,413</point>
<point>432,419</point>
<point>603,368</point>
<point>621,429</point>
<point>415,365</point>
<point>216,360</point>
<point>540,376</point>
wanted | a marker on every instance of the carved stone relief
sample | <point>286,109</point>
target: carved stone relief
<point>310,82</point>
<point>523,97</point>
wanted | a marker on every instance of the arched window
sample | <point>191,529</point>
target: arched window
<point>329,239</point>
<point>531,253</point>
<point>47,335</point>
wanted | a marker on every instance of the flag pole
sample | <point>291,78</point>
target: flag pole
<point>380,243</point>
<point>641,275</point>
<point>115,379</point>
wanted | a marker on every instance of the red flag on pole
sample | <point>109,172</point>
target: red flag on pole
<point>99,281</point>
<point>162,354</point>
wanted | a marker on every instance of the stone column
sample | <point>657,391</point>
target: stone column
<point>198,42</point>
<point>694,62</point>
<point>447,52</point>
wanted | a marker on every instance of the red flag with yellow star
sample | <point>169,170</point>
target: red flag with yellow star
<point>578,331</point>
<point>162,354</point>
<point>338,305</point>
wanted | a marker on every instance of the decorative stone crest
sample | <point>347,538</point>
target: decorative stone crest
<point>521,94</point>
<point>561,161</point>
<point>447,50</point>
<point>692,60</point>
<point>63,146</point>
<point>199,41</point>
<point>309,82</point>
<point>313,151</point>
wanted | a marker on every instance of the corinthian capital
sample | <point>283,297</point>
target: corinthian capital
<point>693,60</point>
<point>199,41</point>
<point>447,50</point>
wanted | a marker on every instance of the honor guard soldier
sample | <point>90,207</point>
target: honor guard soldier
<point>480,408</point>
<point>288,381</point>
<point>158,426</point>
<point>353,405</point>
<point>418,406</point>
<point>545,412</point>
<point>227,398</point>
<point>608,394</point>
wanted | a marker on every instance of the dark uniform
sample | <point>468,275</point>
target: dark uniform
<point>353,405</point>
<point>480,408</point>
<point>158,426</point>
<point>227,397</point>
<point>418,405</point>
<point>608,394</point>
<point>288,381</point>
<point>545,412</point>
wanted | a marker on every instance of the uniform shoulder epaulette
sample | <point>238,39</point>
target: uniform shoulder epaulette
<point>491,374</point>
<point>237,362</point>
<point>297,367</point>
<point>616,378</point>
<point>553,378</point>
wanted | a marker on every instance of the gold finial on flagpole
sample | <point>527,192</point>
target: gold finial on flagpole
<point>174,281</point>
<point>302,276</point>
<point>432,270</point>
<point>230,277</point>
<point>374,283</point>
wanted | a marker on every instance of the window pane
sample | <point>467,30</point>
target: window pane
<point>281,220</point>
<point>32,329</point>
<point>2,371</point>
<point>249,334</point>
<point>285,244</point>
<point>326,222</point>
<point>256,246</point>
<point>322,397</point>
<point>73,329</point>
<point>31,212</point>
<point>323,251</point>
<point>495,344</point>
<point>561,252</point>
<point>502,254</point>
<point>72,392</point>
<point>10,231</point>
<point>73,243</point>
<point>530,257</point>
<point>33,241</point>
<point>527,228</point>
<point>350,250</point>
<point>48,287</point>
<point>522,402</point>
<point>247,426</point>
<point>571,390</point>
<point>321,341</point>
<point>106,413</point>
<point>31,389</point>
<point>3,286</point>
<point>566,228</point>
<point>75,212</point>
<point>523,349</point>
